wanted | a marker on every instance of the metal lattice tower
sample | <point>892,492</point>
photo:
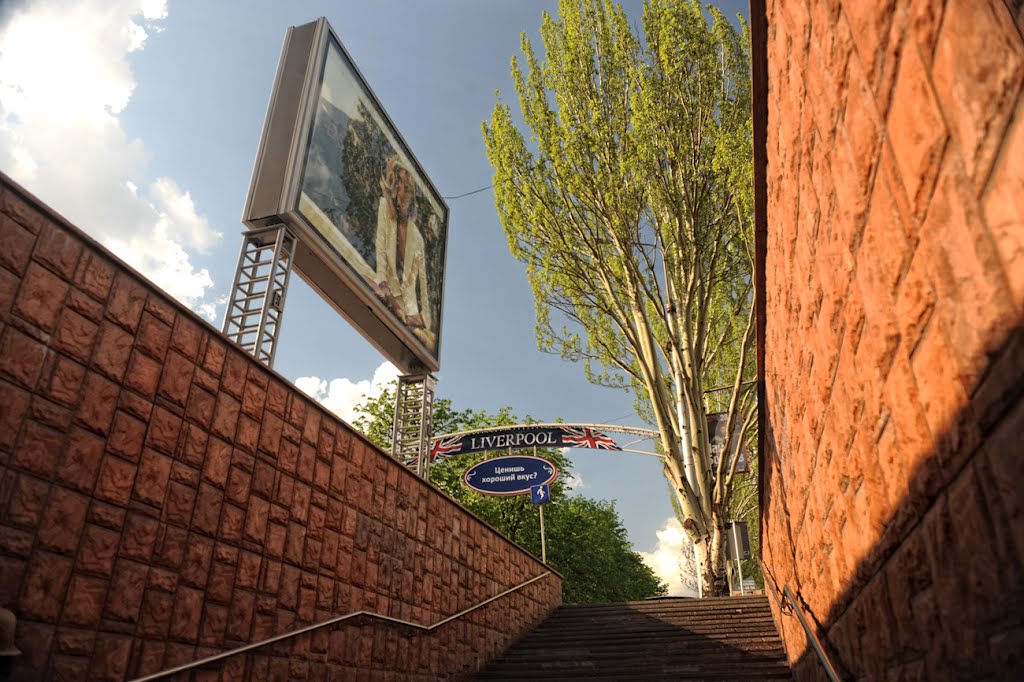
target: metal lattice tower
<point>414,416</point>
<point>253,316</point>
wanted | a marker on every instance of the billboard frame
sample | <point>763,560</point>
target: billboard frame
<point>276,188</point>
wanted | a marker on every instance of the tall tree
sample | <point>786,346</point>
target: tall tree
<point>587,543</point>
<point>631,206</point>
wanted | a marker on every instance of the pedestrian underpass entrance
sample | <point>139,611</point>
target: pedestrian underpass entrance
<point>588,436</point>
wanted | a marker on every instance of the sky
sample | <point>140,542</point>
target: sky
<point>139,120</point>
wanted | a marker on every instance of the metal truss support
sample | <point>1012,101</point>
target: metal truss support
<point>414,417</point>
<point>253,316</point>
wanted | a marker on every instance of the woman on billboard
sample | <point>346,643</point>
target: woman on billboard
<point>401,258</point>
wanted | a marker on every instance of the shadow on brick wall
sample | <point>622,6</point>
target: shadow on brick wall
<point>940,595</point>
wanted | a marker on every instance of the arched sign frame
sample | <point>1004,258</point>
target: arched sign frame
<point>554,435</point>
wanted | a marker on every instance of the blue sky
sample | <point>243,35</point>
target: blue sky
<point>139,121</point>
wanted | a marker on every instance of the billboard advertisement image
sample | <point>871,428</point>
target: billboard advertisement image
<point>717,424</point>
<point>334,168</point>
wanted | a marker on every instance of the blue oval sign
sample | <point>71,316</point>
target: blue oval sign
<point>513,475</point>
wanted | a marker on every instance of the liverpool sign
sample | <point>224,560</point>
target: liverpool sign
<point>541,436</point>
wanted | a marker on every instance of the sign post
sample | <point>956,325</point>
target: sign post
<point>737,546</point>
<point>541,495</point>
<point>543,541</point>
<point>739,567</point>
<point>516,475</point>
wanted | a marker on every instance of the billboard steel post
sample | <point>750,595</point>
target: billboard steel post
<point>414,417</point>
<point>253,315</point>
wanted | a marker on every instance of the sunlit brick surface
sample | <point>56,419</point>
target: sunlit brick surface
<point>893,345</point>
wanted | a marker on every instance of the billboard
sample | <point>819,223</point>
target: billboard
<point>372,229</point>
<point>717,423</point>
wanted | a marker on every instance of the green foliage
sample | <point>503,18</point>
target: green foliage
<point>586,541</point>
<point>631,204</point>
<point>588,546</point>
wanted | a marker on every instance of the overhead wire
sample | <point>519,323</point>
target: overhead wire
<point>476,191</point>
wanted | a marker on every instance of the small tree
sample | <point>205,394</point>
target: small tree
<point>631,205</point>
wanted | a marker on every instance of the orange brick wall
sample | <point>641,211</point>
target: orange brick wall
<point>163,497</point>
<point>893,344</point>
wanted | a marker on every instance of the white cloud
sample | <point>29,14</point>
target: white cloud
<point>213,311</point>
<point>154,9</point>
<point>178,215</point>
<point>575,483</point>
<point>64,79</point>
<point>672,560</point>
<point>341,396</point>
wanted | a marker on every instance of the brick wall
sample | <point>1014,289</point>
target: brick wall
<point>893,346</point>
<point>163,497</point>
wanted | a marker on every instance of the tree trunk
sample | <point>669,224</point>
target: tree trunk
<point>713,570</point>
<point>709,540</point>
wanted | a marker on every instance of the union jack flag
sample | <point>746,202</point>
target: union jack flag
<point>445,447</point>
<point>587,438</point>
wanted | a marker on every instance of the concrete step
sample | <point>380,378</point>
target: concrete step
<point>684,639</point>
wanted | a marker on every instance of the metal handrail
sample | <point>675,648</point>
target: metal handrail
<point>327,623</point>
<point>787,594</point>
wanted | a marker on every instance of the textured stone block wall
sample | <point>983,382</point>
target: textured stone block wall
<point>163,497</point>
<point>893,341</point>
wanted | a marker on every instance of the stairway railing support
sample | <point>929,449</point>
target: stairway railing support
<point>794,608</point>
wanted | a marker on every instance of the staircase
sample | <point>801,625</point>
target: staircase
<point>728,638</point>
